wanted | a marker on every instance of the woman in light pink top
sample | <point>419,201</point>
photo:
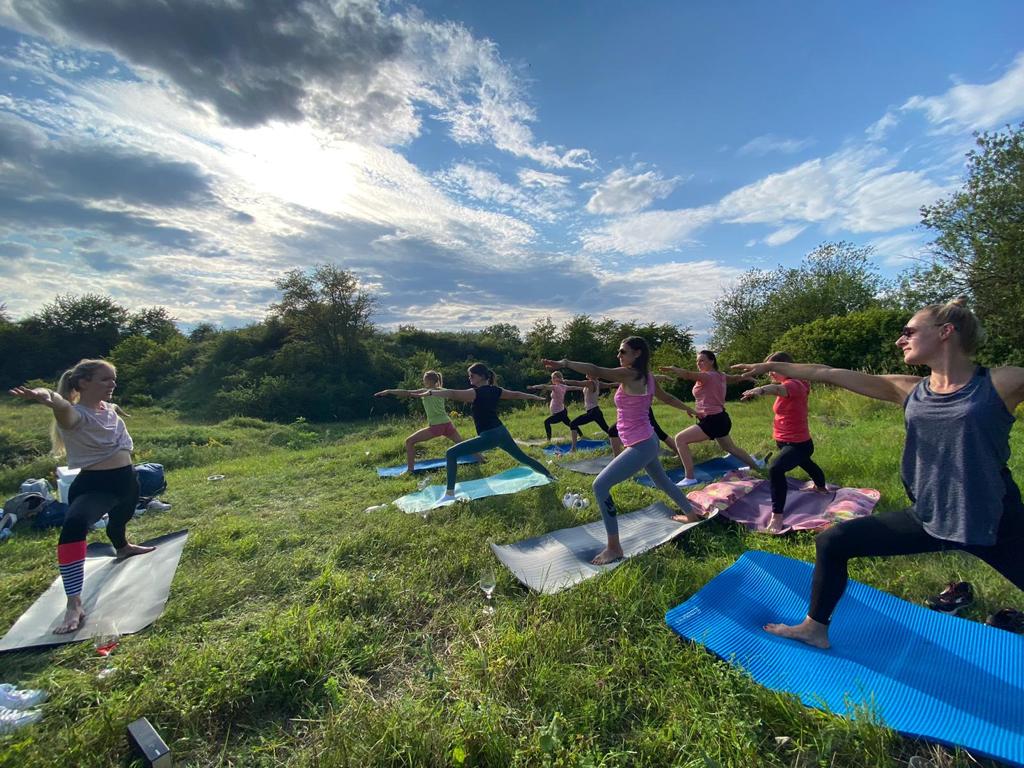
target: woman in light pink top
<point>637,389</point>
<point>713,423</point>
<point>559,413</point>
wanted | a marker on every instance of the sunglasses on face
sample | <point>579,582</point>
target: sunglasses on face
<point>909,330</point>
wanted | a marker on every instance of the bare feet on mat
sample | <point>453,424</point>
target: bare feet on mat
<point>818,489</point>
<point>808,631</point>
<point>608,555</point>
<point>775,524</point>
<point>131,550</point>
<point>74,618</point>
<point>689,517</point>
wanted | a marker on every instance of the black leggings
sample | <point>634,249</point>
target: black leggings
<point>900,533</point>
<point>98,492</point>
<point>791,456</point>
<point>592,415</point>
<point>661,433</point>
<point>562,417</point>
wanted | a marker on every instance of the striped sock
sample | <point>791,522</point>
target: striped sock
<point>71,561</point>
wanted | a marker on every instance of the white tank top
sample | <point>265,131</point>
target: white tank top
<point>96,437</point>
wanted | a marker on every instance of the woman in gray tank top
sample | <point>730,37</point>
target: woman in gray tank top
<point>958,421</point>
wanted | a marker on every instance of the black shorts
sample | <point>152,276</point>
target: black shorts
<point>716,425</point>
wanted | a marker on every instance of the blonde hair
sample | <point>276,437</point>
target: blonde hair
<point>955,312</point>
<point>67,387</point>
<point>435,377</point>
<point>558,375</point>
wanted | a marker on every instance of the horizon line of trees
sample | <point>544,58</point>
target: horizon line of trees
<point>318,355</point>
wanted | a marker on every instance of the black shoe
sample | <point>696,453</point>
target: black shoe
<point>1008,619</point>
<point>953,599</point>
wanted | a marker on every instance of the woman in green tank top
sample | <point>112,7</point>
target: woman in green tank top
<point>438,422</point>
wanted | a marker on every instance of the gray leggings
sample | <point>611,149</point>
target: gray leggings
<point>640,456</point>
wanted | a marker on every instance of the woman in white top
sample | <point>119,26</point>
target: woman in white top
<point>89,428</point>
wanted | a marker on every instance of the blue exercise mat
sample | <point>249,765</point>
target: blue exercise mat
<point>427,465</point>
<point>923,673</point>
<point>560,449</point>
<point>509,481</point>
<point>705,472</point>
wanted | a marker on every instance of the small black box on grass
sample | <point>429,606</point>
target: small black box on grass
<point>147,743</point>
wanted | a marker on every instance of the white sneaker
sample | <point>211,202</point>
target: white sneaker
<point>447,500</point>
<point>12,698</point>
<point>686,482</point>
<point>759,463</point>
<point>158,506</point>
<point>12,719</point>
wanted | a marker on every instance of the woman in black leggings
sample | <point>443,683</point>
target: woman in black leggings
<point>958,421</point>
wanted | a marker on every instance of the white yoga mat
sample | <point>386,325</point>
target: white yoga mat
<point>123,597</point>
<point>561,559</point>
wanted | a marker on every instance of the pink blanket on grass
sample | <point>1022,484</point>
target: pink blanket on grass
<point>747,500</point>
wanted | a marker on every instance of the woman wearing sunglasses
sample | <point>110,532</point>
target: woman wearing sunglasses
<point>954,466</point>
<point>637,389</point>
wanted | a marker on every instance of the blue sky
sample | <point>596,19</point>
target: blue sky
<point>479,162</point>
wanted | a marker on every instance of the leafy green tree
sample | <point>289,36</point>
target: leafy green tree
<point>154,323</point>
<point>859,341</point>
<point>980,238</point>
<point>327,308</point>
<point>833,279</point>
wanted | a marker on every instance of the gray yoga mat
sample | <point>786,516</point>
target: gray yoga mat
<point>589,466</point>
<point>561,559</point>
<point>119,598</point>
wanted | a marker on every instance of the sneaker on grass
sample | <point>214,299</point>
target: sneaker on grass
<point>1008,619</point>
<point>953,599</point>
<point>686,482</point>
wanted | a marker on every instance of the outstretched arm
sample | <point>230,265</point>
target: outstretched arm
<point>511,394</point>
<point>731,378</point>
<point>675,402</point>
<point>767,389</point>
<point>1009,383</point>
<point>892,388</point>
<point>400,392</point>
<point>680,373</point>
<point>462,395</point>
<point>615,374</point>
<point>63,411</point>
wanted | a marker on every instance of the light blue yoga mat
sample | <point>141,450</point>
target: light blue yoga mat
<point>920,672</point>
<point>427,465</point>
<point>509,481</point>
<point>705,472</point>
<point>560,449</point>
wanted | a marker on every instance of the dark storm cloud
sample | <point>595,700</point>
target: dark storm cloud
<point>253,61</point>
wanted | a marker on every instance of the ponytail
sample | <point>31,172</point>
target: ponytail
<point>481,370</point>
<point>67,387</point>
<point>435,377</point>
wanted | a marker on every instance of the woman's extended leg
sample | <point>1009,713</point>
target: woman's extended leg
<point>508,445</point>
<point>730,447</point>
<point>482,442</point>
<point>619,469</point>
<point>689,435</point>
<point>657,473</point>
<point>420,436</point>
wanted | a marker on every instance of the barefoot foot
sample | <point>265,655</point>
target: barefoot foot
<point>608,555</point>
<point>775,525</point>
<point>131,550</point>
<point>74,618</point>
<point>689,517</point>
<point>808,631</point>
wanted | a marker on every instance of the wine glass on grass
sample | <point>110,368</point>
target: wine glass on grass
<point>488,582</point>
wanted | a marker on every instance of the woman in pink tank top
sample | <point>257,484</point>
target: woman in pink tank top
<point>713,423</point>
<point>559,413</point>
<point>637,389</point>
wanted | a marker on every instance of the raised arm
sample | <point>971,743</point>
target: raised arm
<point>892,388</point>
<point>675,402</point>
<point>619,375</point>
<point>680,373</point>
<point>1009,383</point>
<point>766,389</point>
<point>511,394</point>
<point>731,378</point>
<point>63,411</point>
<point>400,392</point>
<point>462,395</point>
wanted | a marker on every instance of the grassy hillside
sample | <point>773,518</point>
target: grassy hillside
<point>302,631</point>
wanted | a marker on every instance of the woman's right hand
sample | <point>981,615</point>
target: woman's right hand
<point>554,365</point>
<point>669,369</point>
<point>750,394</point>
<point>752,369</point>
<point>39,395</point>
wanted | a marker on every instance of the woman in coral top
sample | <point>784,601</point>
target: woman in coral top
<point>791,435</point>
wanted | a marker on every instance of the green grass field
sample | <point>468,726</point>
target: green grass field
<point>302,631</point>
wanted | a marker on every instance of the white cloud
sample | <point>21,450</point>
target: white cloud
<point>649,232</point>
<point>784,235</point>
<point>878,129</point>
<point>769,143</point>
<point>625,192</point>
<point>529,177</point>
<point>976,107</point>
<point>900,249</point>
<point>541,203</point>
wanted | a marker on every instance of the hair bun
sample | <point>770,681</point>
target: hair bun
<point>959,301</point>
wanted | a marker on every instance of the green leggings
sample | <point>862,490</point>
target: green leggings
<point>485,441</point>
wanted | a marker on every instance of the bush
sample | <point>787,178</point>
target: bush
<point>18,449</point>
<point>860,341</point>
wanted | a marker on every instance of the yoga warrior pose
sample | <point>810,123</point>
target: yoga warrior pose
<point>559,414</point>
<point>958,421</point>
<point>439,424</point>
<point>637,389</point>
<point>96,440</point>
<point>490,432</point>
<point>713,423</point>
<point>591,390</point>
<point>791,434</point>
